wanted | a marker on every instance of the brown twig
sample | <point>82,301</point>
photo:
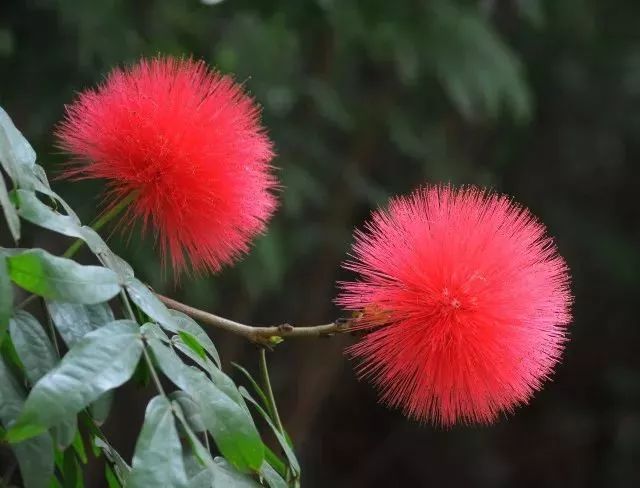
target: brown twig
<point>260,335</point>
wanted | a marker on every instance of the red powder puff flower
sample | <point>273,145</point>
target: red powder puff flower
<point>465,299</point>
<point>189,143</point>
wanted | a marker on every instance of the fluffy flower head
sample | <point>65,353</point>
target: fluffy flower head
<point>188,142</point>
<point>465,302</point>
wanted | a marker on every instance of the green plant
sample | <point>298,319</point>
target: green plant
<point>101,328</point>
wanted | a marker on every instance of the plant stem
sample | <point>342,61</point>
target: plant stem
<point>52,330</point>
<point>127,305</point>
<point>147,358</point>
<point>101,222</point>
<point>154,374</point>
<point>266,385</point>
<point>260,335</point>
<point>206,441</point>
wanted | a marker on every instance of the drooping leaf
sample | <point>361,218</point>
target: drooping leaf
<point>18,158</point>
<point>112,480</point>
<point>151,329</point>
<point>121,467</point>
<point>41,174</point>
<point>32,209</point>
<point>65,432</point>
<point>38,213</point>
<point>220,476</point>
<point>254,384</point>
<point>187,324</point>
<point>35,456</point>
<point>190,409</point>
<point>33,346</point>
<point>74,320</point>
<point>10,212</point>
<point>78,447</point>
<point>232,477</point>
<point>71,470</point>
<point>108,257</point>
<point>282,440</point>
<point>16,154</point>
<point>104,359</point>
<point>39,356</point>
<point>274,461</point>
<point>101,407</point>
<point>230,424</point>
<point>202,479</point>
<point>61,279</point>
<point>157,460</point>
<point>149,303</point>
<point>192,343</point>
<point>271,476</point>
<point>6,294</point>
<point>171,320</point>
<point>219,378</point>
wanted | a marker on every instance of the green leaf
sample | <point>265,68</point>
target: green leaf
<point>16,153</point>
<point>192,343</point>
<point>254,384</point>
<point>71,470</point>
<point>144,298</point>
<point>171,320</point>
<point>121,467</point>
<point>101,407</point>
<point>282,440</point>
<point>232,477</point>
<point>190,409</point>
<point>78,447</point>
<point>55,483</point>
<point>273,479</point>
<point>219,476</point>
<point>151,329</point>
<point>230,424</point>
<point>275,461</point>
<point>157,460</point>
<point>112,480</point>
<point>10,213</point>
<point>32,345</point>
<point>110,259</point>
<point>203,479</point>
<point>104,359</point>
<point>38,213</point>
<point>65,432</point>
<point>74,320</point>
<point>62,279</point>
<point>34,456</point>
<point>187,324</point>
<point>18,159</point>
<point>41,174</point>
<point>219,378</point>
<point>33,210</point>
<point>6,294</point>
<point>38,356</point>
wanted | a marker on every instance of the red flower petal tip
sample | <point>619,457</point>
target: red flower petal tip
<point>189,142</point>
<point>465,302</point>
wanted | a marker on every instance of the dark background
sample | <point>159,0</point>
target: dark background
<point>366,99</point>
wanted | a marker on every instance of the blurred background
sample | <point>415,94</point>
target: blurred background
<point>367,99</point>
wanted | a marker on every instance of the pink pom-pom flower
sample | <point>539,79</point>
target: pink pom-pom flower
<point>464,300</point>
<point>188,143</point>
